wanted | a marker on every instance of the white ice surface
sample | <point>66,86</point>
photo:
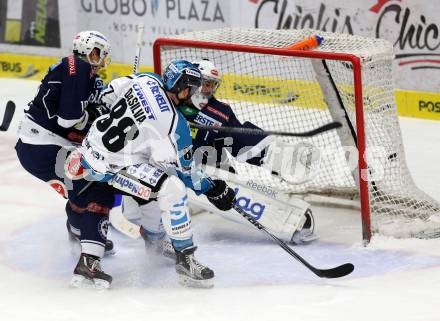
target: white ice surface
<point>255,279</point>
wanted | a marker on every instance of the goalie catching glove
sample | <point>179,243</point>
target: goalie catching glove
<point>221,195</point>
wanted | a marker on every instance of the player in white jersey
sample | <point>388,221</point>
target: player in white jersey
<point>143,148</point>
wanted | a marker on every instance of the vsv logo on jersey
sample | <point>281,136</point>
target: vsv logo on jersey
<point>203,119</point>
<point>253,208</point>
<point>95,93</point>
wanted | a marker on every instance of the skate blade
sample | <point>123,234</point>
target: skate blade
<point>80,282</point>
<point>298,240</point>
<point>169,255</point>
<point>161,252</point>
<point>101,284</point>
<point>186,281</point>
<point>110,252</point>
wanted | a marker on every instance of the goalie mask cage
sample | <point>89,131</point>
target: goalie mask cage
<point>348,79</point>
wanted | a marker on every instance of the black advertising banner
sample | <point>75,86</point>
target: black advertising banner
<point>30,22</point>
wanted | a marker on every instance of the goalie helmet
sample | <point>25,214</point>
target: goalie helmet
<point>181,74</point>
<point>85,41</point>
<point>211,79</point>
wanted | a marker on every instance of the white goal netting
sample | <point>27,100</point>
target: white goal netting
<point>297,94</point>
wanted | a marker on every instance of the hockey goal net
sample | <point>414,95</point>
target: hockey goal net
<point>348,79</point>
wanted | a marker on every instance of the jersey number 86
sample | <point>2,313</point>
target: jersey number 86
<point>116,137</point>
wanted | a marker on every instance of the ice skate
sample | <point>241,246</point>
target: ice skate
<point>109,246</point>
<point>191,273</point>
<point>88,273</point>
<point>161,245</point>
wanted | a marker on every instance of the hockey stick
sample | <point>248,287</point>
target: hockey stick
<point>7,117</point>
<point>336,272</point>
<point>116,216</point>
<point>139,44</point>
<point>255,131</point>
<point>120,222</point>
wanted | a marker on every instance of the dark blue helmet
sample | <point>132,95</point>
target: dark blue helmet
<point>180,74</point>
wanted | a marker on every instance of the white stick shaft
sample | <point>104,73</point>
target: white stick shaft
<point>122,224</point>
<point>139,44</point>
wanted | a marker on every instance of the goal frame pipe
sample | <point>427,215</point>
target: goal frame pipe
<point>357,84</point>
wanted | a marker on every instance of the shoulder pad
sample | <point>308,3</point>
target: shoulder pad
<point>221,106</point>
<point>157,77</point>
<point>151,75</point>
<point>217,103</point>
<point>225,105</point>
<point>52,67</point>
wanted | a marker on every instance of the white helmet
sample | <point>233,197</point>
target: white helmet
<point>85,41</point>
<point>211,79</point>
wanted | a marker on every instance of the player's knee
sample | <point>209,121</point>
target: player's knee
<point>150,217</point>
<point>171,192</point>
<point>100,208</point>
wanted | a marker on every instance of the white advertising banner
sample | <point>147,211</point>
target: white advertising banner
<point>412,26</point>
<point>118,20</point>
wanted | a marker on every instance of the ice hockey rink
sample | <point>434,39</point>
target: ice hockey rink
<point>255,279</point>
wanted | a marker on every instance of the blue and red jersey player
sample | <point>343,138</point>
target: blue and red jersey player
<point>205,109</point>
<point>60,114</point>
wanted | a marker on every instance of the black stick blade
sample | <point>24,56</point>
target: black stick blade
<point>336,272</point>
<point>322,129</point>
<point>261,132</point>
<point>7,118</point>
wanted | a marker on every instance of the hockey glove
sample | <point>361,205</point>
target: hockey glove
<point>95,111</point>
<point>221,195</point>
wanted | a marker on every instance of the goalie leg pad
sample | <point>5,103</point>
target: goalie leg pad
<point>280,213</point>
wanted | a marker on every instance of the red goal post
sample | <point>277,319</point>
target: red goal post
<point>200,44</point>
